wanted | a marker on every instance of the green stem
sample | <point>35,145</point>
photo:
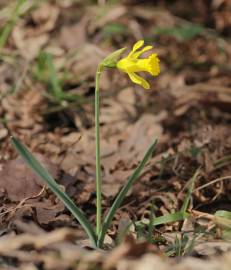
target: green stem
<point>97,153</point>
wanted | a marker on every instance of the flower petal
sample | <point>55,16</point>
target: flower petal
<point>137,45</point>
<point>138,80</point>
<point>145,49</point>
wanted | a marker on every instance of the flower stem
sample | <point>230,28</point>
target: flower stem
<point>97,152</point>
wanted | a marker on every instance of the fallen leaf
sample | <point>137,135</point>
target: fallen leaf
<point>69,33</point>
<point>18,180</point>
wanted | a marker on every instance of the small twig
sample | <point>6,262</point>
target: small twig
<point>22,202</point>
<point>200,214</point>
<point>213,182</point>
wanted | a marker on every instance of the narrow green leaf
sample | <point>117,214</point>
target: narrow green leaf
<point>223,214</point>
<point>177,216</point>
<point>10,24</point>
<point>189,193</point>
<point>123,192</point>
<point>182,32</point>
<point>48,179</point>
<point>56,88</point>
<point>222,218</point>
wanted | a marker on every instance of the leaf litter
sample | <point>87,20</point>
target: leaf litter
<point>187,109</point>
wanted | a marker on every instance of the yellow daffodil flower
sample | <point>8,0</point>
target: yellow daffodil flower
<point>132,64</point>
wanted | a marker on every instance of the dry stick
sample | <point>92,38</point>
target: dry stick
<point>213,182</point>
<point>200,214</point>
<point>22,202</point>
<point>220,221</point>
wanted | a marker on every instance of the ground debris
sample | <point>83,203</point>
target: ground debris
<point>57,250</point>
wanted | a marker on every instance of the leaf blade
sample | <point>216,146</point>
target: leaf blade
<point>33,163</point>
<point>116,204</point>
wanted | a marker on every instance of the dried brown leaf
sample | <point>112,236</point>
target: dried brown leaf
<point>20,182</point>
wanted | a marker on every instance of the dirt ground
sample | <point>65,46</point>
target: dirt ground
<point>49,54</point>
